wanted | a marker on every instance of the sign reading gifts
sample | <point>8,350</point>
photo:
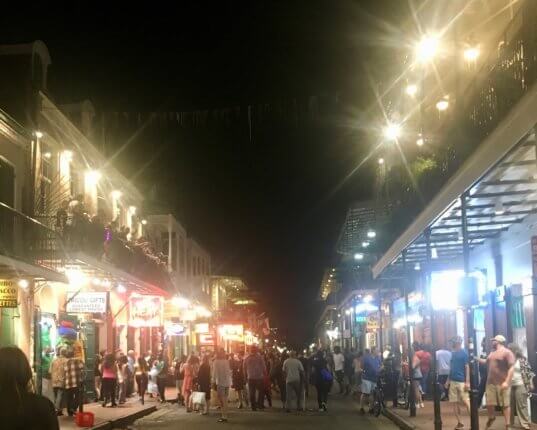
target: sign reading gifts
<point>145,311</point>
<point>89,302</point>
<point>232,332</point>
<point>8,294</point>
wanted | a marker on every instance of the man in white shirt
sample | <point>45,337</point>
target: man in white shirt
<point>443,364</point>
<point>294,375</point>
<point>339,365</point>
<point>221,377</point>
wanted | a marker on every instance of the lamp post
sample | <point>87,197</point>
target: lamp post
<point>411,393</point>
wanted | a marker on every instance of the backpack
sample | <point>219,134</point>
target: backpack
<point>326,375</point>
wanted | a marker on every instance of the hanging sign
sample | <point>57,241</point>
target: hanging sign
<point>232,332</point>
<point>145,311</point>
<point>206,340</point>
<point>373,322</point>
<point>89,302</point>
<point>175,329</point>
<point>9,292</point>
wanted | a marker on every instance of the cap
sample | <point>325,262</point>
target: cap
<point>499,338</point>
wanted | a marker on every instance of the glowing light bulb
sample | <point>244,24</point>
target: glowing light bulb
<point>427,48</point>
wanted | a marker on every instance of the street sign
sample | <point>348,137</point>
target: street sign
<point>9,292</point>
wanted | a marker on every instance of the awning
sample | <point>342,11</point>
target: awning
<point>500,178</point>
<point>11,267</point>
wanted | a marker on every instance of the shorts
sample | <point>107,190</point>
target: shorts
<point>458,392</point>
<point>222,391</point>
<point>497,396</point>
<point>368,386</point>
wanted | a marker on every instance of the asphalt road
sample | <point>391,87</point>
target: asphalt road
<point>342,414</point>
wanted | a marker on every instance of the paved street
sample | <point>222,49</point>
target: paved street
<point>342,414</point>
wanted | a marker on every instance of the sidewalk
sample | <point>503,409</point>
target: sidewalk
<point>424,418</point>
<point>108,418</point>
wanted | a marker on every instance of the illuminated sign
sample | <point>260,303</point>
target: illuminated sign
<point>86,302</point>
<point>145,311</point>
<point>250,338</point>
<point>9,292</point>
<point>233,332</point>
<point>202,328</point>
<point>175,329</point>
<point>373,322</point>
<point>361,319</point>
<point>206,340</point>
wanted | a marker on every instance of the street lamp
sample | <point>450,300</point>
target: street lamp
<point>358,256</point>
<point>420,141</point>
<point>427,48</point>
<point>443,104</point>
<point>411,90</point>
<point>381,161</point>
<point>392,131</point>
<point>471,54</point>
<point>371,234</point>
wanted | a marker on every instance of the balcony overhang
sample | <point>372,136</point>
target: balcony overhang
<point>501,171</point>
<point>16,268</point>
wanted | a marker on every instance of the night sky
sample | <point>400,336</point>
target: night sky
<point>268,208</point>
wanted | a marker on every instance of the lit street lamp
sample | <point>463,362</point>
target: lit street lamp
<point>427,48</point>
<point>392,131</point>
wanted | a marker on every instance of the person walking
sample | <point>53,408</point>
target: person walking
<point>443,365</point>
<point>294,375</point>
<point>21,408</point>
<point>371,364</point>
<point>204,382</point>
<point>254,369</point>
<point>306,364</point>
<point>276,374</point>
<point>357,367</point>
<point>388,363</point>
<point>141,374</point>
<point>221,376</point>
<point>424,357</point>
<point>57,377</point>
<point>97,377</point>
<point>74,379</point>
<point>339,368</point>
<point>191,372</point>
<point>459,380</point>
<point>521,386</point>
<point>131,363</point>
<point>179,375</point>
<point>109,370</point>
<point>417,376</point>
<point>123,378</point>
<point>238,380</point>
<point>483,371</point>
<point>162,375</point>
<point>323,379</point>
<point>501,363</point>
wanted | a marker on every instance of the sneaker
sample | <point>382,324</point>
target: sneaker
<point>422,405</point>
<point>459,426</point>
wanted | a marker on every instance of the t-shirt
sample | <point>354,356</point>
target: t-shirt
<point>292,368</point>
<point>371,366</point>
<point>339,361</point>
<point>425,360</point>
<point>499,362</point>
<point>517,380</point>
<point>443,361</point>
<point>459,360</point>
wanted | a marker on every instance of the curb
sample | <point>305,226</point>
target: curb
<point>124,421</point>
<point>398,420</point>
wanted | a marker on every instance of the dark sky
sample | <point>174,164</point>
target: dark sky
<point>270,208</point>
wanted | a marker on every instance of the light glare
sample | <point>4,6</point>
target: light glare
<point>427,48</point>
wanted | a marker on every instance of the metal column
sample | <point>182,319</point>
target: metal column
<point>411,393</point>
<point>472,339</point>
<point>433,372</point>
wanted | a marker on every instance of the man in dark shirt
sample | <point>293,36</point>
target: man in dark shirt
<point>371,364</point>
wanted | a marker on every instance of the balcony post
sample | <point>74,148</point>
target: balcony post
<point>411,393</point>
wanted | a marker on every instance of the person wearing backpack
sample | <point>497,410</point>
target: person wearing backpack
<point>323,379</point>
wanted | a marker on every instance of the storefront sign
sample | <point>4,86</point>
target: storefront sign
<point>9,292</point>
<point>361,319</point>
<point>89,302</point>
<point>373,322</point>
<point>145,311</point>
<point>202,328</point>
<point>250,338</point>
<point>499,294</point>
<point>233,332</point>
<point>206,340</point>
<point>175,329</point>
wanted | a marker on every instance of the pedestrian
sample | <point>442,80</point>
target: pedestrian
<point>371,364</point>
<point>501,362</point>
<point>204,382</point>
<point>152,387</point>
<point>221,377</point>
<point>459,380</point>
<point>267,387</point>
<point>21,408</point>
<point>347,370</point>
<point>141,374</point>
<point>109,370</point>
<point>417,376</point>
<point>191,372</point>
<point>162,375</point>
<point>97,377</point>
<point>179,374</point>
<point>254,369</point>
<point>74,379</point>
<point>123,378</point>
<point>339,367</point>
<point>279,378</point>
<point>521,386</point>
<point>483,370</point>
<point>294,375</point>
<point>425,365</point>
<point>131,363</point>
<point>357,368</point>
<point>323,379</point>
<point>443,366</point>
<point>306,364</point>
<point>238,380</point>
<point>57,377</point>
<point>388,363</point>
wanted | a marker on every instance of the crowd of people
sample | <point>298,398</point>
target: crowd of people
<point>506,379</point>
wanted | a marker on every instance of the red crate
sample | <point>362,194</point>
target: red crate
<point>85,419</point>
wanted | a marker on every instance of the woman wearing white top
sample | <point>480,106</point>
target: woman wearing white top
<point>221,377</point>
